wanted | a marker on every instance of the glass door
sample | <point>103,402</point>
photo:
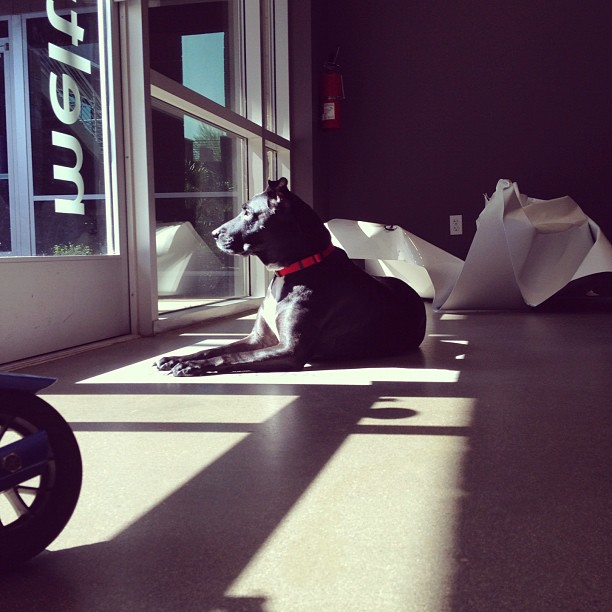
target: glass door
<point>63,268</point>
<point>200,169</point>
<point>198,186</point>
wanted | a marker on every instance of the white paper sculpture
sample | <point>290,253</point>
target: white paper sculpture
<point>389,250</point>
<point>525,250</point>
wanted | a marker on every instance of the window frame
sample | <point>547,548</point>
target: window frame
<point>259,40</point>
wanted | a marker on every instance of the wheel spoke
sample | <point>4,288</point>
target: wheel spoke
<point>4,427</point>
<point>28,489</point>
<point>19,506</point>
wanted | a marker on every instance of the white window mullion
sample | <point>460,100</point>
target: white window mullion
<point>11,144</point>
<point>253,61</point>
<point>18,133</point>
<point>138,157</point>
<point>276,140</point>
<point>192,103</point>
<point>107,28</point>
<point>281,68</point>
<point>283,163</point>
<point>258,275</point>
<point>256,164</point>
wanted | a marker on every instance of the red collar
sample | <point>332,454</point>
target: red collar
<point>311,260</point>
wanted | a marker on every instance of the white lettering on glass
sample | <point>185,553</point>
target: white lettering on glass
<point>73,175</point>
<point>67,108</point>
<point>71,28</point>
<point>69,58</point>
<point>62,110</point>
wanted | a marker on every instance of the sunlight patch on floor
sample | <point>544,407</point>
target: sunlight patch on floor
<point>374,531</point>
<point>453,317</point>
<point>208,334</point>
<point>166,408</point>
<point>461,343</point>
<point>144,372</point>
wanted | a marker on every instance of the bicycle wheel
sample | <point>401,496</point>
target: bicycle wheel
<point>34,512</point>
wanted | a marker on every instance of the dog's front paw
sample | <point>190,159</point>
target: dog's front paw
<point>188,368</point>
<point>165,364</point>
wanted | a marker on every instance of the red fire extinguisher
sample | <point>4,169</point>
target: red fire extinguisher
<point>332,92</point>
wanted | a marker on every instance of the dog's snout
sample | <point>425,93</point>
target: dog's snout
<point>217,232</point>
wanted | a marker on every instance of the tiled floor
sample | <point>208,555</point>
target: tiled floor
<point>472,475</point>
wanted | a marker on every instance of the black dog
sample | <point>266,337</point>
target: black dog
<point>319,305</point>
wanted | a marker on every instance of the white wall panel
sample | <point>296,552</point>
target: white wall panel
<point>59,302</point>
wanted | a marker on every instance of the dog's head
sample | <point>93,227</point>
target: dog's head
<point>276,226</point>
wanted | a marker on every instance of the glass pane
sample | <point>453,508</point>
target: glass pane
<point>71,211</point>
<point>271,167</point>
<point>60,234</point>
<point>198,44</point>
<point>198,186</point>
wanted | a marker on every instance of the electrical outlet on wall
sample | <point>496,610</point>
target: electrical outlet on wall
<point>456,225</point>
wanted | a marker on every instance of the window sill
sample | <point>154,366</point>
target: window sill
<point>190,316</point>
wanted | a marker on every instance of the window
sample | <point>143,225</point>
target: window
<point>53,130</point>
<point>220,129</point>
<point>198,186</point>
<point>200,46</point>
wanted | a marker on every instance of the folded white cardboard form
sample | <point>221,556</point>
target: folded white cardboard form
<point>389,250</point>
<point>524,251</point>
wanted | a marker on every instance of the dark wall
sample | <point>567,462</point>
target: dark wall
<point>445,98</point>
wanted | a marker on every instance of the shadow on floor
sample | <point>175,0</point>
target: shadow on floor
<point>535,526</point>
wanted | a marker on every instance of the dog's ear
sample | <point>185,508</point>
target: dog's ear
<point>281,184</point>
<point>277,190</point>
<point>277,187</point>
